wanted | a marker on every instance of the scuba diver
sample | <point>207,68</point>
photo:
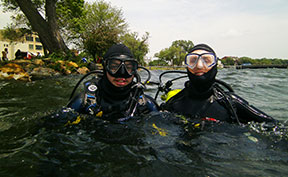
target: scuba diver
<point>204,97</point>
<point>115,96</point>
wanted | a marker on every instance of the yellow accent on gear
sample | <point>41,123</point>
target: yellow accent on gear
<point>99,114</point>
<point>162,132</point>
<point>77,121</point>
<point>172,93</point>
<point>183,118</point>
<point>163,97</point>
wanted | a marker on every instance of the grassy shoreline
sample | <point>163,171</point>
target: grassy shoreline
<point>165,67</point>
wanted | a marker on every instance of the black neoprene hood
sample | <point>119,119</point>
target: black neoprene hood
<point>202,47</point>
<point>117,50</point>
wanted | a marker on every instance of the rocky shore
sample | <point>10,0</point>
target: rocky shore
<point>29,70</point>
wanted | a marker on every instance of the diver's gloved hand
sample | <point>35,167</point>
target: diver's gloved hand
<point>67,116</point>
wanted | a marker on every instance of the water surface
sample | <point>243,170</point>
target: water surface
<point>35,142</point>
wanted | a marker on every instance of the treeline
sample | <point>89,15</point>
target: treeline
<point>90,28</point>
<point>167,58</point>
<point>248,61</point>
<point>173,55</point>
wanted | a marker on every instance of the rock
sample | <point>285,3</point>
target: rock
<point>35,69</point>
<point>67,72</point>
<point>21,61</point>
<point>29,67</point>
<point>39,62</point>
<point>11,68</point>
<point>14,71</point>
<point>61,62</point>
<point>63,69</point>
<point>41,72</point>
<point>22,76</point>
<point>71,63</point>
<point>83,70</point>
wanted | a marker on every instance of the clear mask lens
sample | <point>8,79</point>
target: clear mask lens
<point>208,59</point>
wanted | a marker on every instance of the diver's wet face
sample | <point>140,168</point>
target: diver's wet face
<point>118,81</point>
<point>200,62</point>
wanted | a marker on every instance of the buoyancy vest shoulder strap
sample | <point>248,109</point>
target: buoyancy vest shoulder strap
<point>241,109</point>
<point>225,99</point>
<point>90,98</point>
<point>248,112</point>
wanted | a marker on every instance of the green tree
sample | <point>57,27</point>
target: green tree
<point>18,28</point>
<point>175,54</point>
<point>228,61</point>
<point>245,60</point>
<point>164,55</point>
<point>184,45</point>
<point>137,45</point>
<point>158,63</point>
<point>97,41</point>
<point>42,17</point>
<point>103,26</point>
<point>264,61</point>
<point>70,14</point>
<point>11,34</point>
<point>279,62</point>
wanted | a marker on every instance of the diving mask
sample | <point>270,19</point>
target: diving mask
<point>209,59</point>
<point>121,66</point>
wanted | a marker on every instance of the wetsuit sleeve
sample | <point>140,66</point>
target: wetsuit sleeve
<point>77,103</point>
<point>169,105</point>
<point>247,113</point>
<point>152,104</point>
<point>85,102</point>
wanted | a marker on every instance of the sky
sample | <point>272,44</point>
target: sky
<point>252,28</point>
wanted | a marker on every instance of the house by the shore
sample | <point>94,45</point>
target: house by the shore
<point>29,43</point>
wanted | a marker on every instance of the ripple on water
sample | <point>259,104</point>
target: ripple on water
<point>136,148</point>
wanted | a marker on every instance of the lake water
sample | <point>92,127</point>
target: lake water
<point>35,142</point>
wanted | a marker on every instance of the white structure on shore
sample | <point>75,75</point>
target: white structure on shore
<point>30,43</point>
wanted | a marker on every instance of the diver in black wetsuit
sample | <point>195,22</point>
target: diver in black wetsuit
<point>203,98</point>
<point>115,96</point>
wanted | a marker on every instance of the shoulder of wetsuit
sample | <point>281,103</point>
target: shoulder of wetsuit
<point>76,103</point>
<point>85,102</point>
<point>176,95</point>
<point>172,100</point>
<point>90,96</point>
<point>90,86</point>
<point>247,112</point>
<point>151,103</point>
<point>170,94</point>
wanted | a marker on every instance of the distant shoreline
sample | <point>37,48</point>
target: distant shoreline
<point>256,66</point>
<point>165,67</point>
<point>225,66</point>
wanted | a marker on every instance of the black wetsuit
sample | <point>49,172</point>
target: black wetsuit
<point>204,98</point>
<point>104,100</point>
<point>214,104</point>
